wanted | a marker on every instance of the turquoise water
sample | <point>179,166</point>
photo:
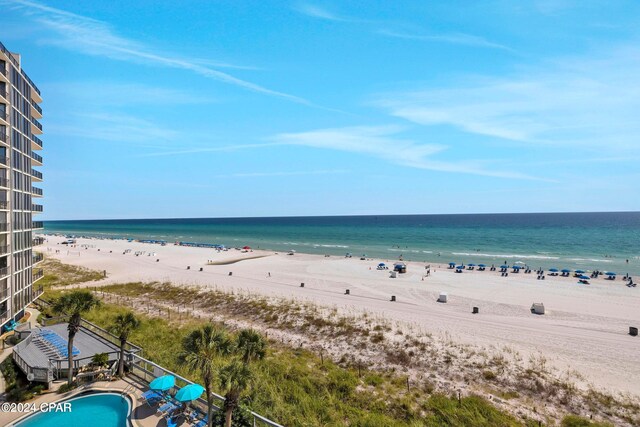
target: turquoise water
<point>95,410</point>
<point>603,241</point>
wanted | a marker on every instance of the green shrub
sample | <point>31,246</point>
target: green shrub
<point>100,359</point>
<point>66,387</point>
<point>576,421</point>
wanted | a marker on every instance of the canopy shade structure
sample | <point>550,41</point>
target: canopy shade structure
<point>189,392</point>
<point>460,267</point>
<point>471,265</point>
<point>580,271</point>
<point>382,264</point>
<point>163,383</point>
<point>482,265</point>
<point>246,247</point>
<point>516,267</point>
<point>610,273</point>
<point>555,270</point>
<point>566,270</point>
<point>583,277</point>
<point>504,266</point>
<point>452,263</point>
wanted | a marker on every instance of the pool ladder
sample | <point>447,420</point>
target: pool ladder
<point>127,390</point>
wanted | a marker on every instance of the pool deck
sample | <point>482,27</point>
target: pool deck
<point>141,416</point>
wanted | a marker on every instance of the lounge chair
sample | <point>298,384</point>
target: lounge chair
<point>167,408</point>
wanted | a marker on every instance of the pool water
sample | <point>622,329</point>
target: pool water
<point>95,410</point>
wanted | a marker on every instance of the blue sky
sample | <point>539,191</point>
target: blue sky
<point>256,108</point>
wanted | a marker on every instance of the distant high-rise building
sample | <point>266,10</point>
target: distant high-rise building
<point>19,143</point>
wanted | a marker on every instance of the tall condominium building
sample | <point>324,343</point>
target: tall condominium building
<point>19,143</point>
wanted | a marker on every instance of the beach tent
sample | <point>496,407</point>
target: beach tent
<point>382,264</point>
<point>537,308</point>
<point>246,247</point>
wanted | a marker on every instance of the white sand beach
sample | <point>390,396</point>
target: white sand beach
<point>585,327</point>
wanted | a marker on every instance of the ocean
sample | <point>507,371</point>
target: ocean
<point>589,241</point>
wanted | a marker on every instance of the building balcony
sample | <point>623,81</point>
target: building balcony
<point>4,162</point>
<point>37,257</point>
<point>36,110</point>
<point>4,228</point>
<point>4,250</point>
<point>37,159</point>
<point>4,293</point>
<point>4,74</point>
<point>35,191</point>
<point>36,143</point>
<point>4,138</point>
<point>37,224</point>
<point>37,241</point>
<point>36,175</point>
<point>4,183</point>
<point>38,274</point>
<point>36,127</point>
<point>3,94</point>
<point>4,120</point>
<point>37,292</point>
<point>4,272</point>
<point>36,208</point>
<point>4,205</point>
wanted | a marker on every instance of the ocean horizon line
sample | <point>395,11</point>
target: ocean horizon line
<point>348,216</point>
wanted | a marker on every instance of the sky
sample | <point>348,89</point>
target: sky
<point>157,109</point>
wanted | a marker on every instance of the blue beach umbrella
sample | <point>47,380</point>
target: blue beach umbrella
<point>610,273</point>
<point>452,263</point>
<point>504,266</point>
<point>583,277</point>
<point>460,267</point>
<point>566,270</point>
<point>189,392</point>
<point>481,265</point>
<point>580,271</point>
<point>555,270</point>
<point>516,267</point>
<point>381,264</point>
<point>471,265</point>
<point>163,383</point>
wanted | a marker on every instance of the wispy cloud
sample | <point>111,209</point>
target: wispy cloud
<point>453,38</point>
<point>386,29</point>
<point>113,127</point>
<point>120,94</point>
<point>591,101</point>
<point>385,143</point>
<point>287,173</point>
<point>93,37</point>
<point>220,148</point>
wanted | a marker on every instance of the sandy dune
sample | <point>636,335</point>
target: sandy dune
<point>585,327</point>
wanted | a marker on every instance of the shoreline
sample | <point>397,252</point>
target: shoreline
<point>585,327</point>
<point>524,261</point>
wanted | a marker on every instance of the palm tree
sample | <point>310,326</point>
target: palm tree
<point>201,348</point>
<point>74,304</point>
<point>250,346</point>
<point>235,379</point>
<point>122,326</point>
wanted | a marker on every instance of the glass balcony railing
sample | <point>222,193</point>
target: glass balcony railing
<point>37,140</point>
<point>36,106</point>
<point>37,257</point>
<point>34,190</point>
<point>4,116</point>
<point>4,160</point>
<point>4,271</point>
<point>3,93</point>
<point>38,241</point>
<point>36,174</point>
<point>4,250</point>
<point>4,137</point>
<point>37,224</point>
<point>4,227</point>
<point>4,204</point>
<point>38,274</point>
<point>36,123</point>
<point>4,182</point>
<point>36,208</point>
<point>36,157</point>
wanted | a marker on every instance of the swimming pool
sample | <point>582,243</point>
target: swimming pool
<point>96,410</point>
